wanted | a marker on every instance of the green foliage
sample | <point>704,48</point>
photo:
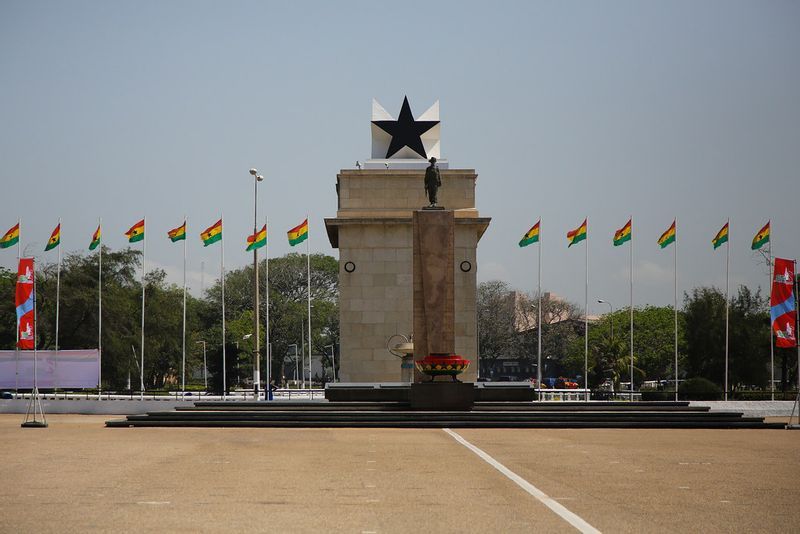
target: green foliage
<point>8,316</point>
<point>748,342</point>
<point>699,388</point>
<point>288,310</point>
<point>653,344</point>
<point>122,294</point>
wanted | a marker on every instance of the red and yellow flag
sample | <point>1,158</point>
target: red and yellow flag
<point>298,234</point>
<point>55,238</point>
<point>136,232</point>
<point>578,234</point>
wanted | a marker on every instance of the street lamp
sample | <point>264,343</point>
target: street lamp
<point>256,356</point>
<point>205,367</point>
<point>333,360</point>
<point>296,365</point>
<point>611,308</point>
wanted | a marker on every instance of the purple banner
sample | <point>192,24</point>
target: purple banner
<point>67,369</point>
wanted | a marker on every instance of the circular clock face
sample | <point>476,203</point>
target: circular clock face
<point>349,266</point>
<point>466,266</point>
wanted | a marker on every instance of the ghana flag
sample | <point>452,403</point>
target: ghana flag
<point>136,232</point>
<point>761,238</point>
<point>532,236</point>
<point>257,240</point>
<point>178,234</point>
<point>298,234</point>
<point>55,238</point>
<point>623,234</point>
<point>721,237</point>
<point>578,234</point>
<point>11,237</point>
<point>95,238</point>
<point>212,234</point>
<point>668,237</point>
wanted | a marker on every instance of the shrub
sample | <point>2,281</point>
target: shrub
<point>699,388</point>
<point>655,395</point>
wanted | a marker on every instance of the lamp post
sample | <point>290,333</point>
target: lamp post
<point>205,366</point>
<point>611,309</point>
<point>296,365</point>
<point>333,360</point>
<point>256,356</point>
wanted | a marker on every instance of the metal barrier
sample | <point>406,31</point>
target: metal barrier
<point>188,396</point>
<point>561,395</point>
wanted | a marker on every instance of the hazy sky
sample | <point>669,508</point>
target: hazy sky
<point>565,109</point>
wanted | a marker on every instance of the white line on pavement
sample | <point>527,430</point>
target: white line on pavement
<point>556,507</point>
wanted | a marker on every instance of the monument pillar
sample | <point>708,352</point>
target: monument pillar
<point>434,284</point>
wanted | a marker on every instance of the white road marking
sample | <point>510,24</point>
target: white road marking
<point>570,517</point>
<point>153,502</point>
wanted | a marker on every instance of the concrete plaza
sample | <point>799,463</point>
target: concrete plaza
<point>78,476</point>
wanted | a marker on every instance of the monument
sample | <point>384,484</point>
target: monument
<point>373,230</point>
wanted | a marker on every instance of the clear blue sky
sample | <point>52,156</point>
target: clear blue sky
<point>565,109</point>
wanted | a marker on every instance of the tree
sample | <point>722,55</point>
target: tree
<point>748,341</point>
<point>8,315</point>
<point>288,307</point>
<point>496,334</point>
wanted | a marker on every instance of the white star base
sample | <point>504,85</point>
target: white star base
<point>403,164</point>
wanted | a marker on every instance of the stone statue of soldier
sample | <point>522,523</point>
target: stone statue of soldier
<point>433,180</point>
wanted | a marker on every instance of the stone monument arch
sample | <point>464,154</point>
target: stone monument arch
<point>373,232</point>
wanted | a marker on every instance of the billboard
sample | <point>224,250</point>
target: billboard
<point>65,369</point>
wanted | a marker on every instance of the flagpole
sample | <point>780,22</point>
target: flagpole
<point>771,342</point>
<point>631,280</point>
<point>539,320</point>
<point>675,304</point>
<point>727,300</point>
<point>586,320</point>
<point>267,389</point>
<point>222,279</point>
<point>144,256</point>
<point>16,343</point>
<point>308,268</point>
<point>183,348</point>
<point>100,309</point>
<point>58,298</point>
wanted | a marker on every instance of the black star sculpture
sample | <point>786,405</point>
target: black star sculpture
<point>405,131</point>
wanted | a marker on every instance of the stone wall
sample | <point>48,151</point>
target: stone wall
<point>373,232</point>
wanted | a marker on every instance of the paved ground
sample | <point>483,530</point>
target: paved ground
<point>78,476</point>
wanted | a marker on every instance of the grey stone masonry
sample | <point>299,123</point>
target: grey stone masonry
<point>373,232</point>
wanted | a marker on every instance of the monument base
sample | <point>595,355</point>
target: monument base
<point>442,396</point>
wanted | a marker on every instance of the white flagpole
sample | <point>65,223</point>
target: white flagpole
<point>268,353</point>
<point>771,342</point>
<point>100,308</point>
<point>144,255</point>
<point>631,280</point>
<point>183,348</point>
<point>586,319</point>
<point>539,321</point>
<point>58,297</point>
<point>222,279</point>
<point>727,300</point>
<point>16,344</point>
<point>308,267</point>
<point>675,304</point>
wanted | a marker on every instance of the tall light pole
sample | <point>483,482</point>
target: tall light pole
<point>205,366</point>
<point>333,360</point>
<point>296,365</point>
<point>611,309</point>
<point>611,318</point>
<point>256,355</point>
